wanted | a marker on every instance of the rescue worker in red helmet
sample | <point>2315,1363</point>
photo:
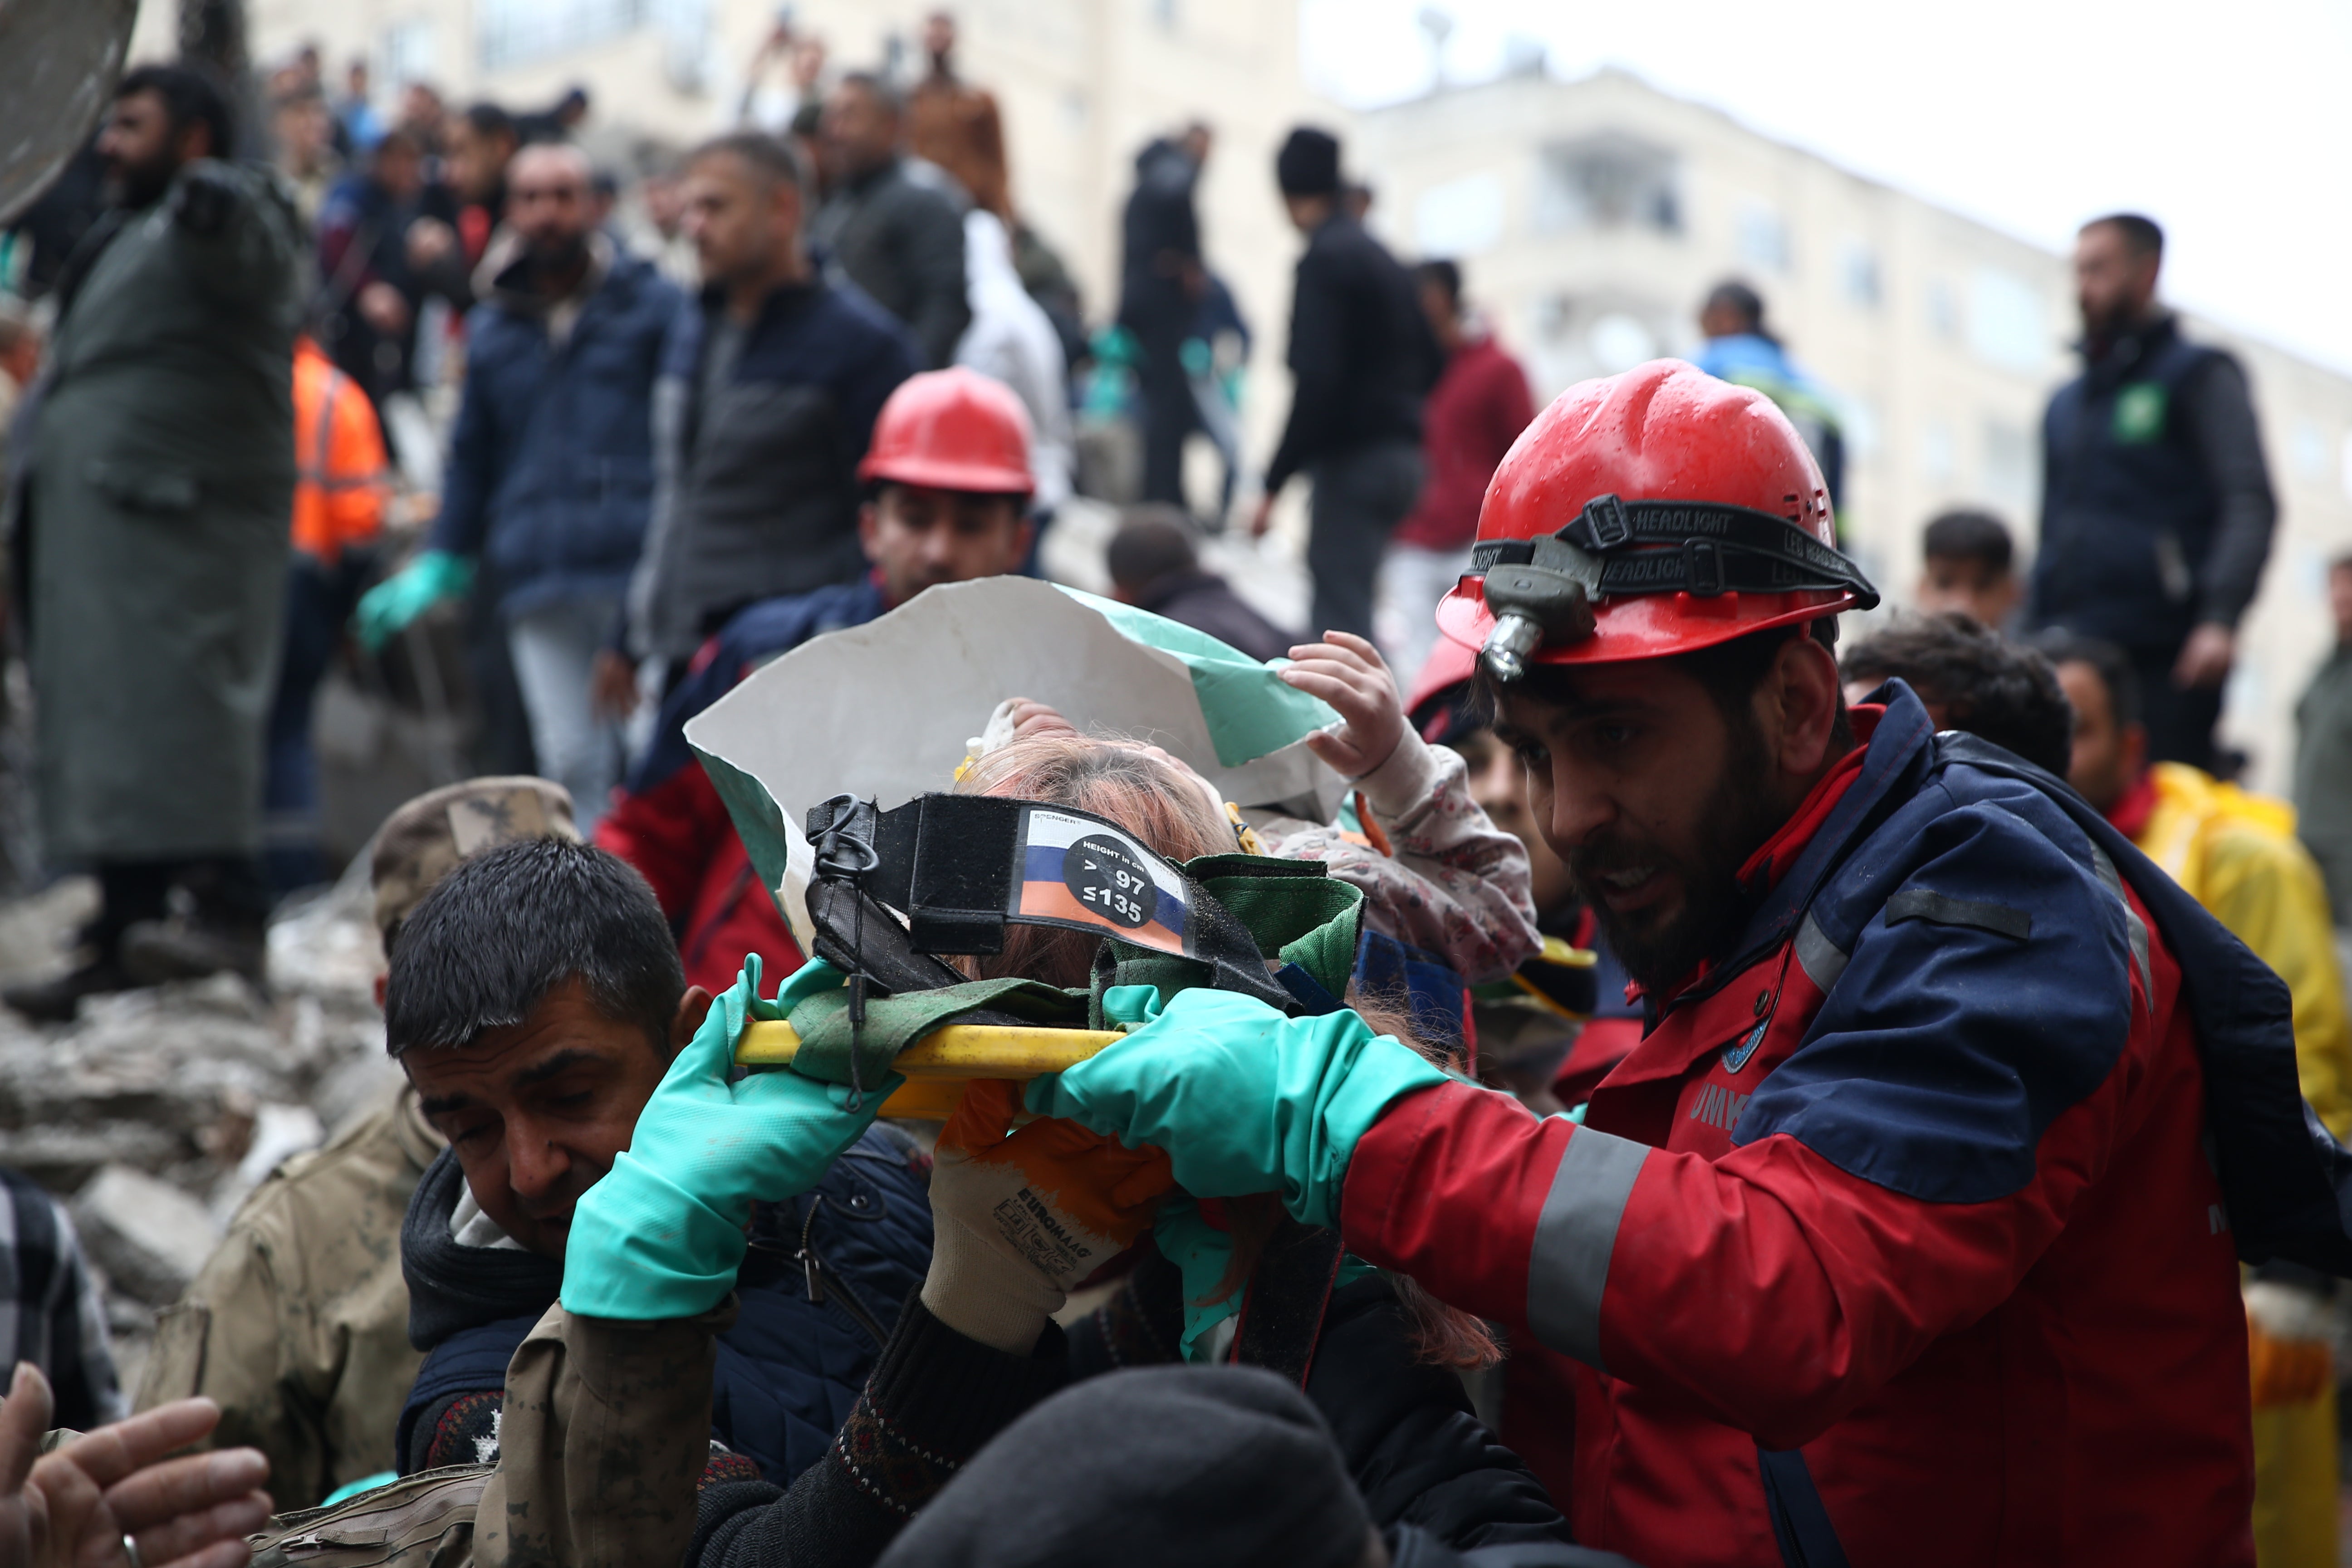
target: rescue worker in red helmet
<point>947,500</point>
<point>1909,1232</point>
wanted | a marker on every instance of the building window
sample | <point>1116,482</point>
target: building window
<point>2310,448</point>
<point>1943,308</point>
<point>1858,275</point>
<point>2009,465</point>
<point>407,53</point>
<point>1936,452</point>
<point>685,27</point>
<point>1860,428</point>
<point>1619,342</point>
<point>1763,238</point>
<point>1608,180</point>
<point>1460,217</point>
<point>512,32</point>
<point>2007,326</point>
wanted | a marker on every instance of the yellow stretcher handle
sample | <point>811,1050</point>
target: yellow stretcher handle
<point>937,1066</point>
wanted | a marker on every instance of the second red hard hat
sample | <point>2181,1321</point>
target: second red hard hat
<point>952,430</point>
<point>1647,514</point>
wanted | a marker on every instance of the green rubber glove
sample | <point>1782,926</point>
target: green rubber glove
<point>1244,1099</point>
<point>389,607</point>
<point>662,1234</point>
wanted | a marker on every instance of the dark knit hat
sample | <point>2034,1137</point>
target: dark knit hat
<point>1309,163</point>
<point>1169,1466</point>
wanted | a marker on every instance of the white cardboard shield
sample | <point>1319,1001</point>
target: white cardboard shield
<point>884,711</point>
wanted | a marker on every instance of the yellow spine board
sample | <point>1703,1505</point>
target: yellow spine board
<point>937,1066</point>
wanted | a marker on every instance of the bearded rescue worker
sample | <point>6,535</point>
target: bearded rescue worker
<point>1897,1238</point>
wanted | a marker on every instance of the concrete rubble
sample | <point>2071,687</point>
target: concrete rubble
<point>156,1112</point>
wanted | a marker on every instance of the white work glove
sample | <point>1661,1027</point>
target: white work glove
<point>1018,1220</point>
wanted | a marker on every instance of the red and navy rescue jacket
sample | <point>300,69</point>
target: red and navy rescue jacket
<point>1909,1232</point>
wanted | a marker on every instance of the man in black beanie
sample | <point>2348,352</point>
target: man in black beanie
<point>1362,358</point>
<point>1176,1467</point>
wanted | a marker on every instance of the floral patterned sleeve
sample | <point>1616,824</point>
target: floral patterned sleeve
<point>1456,885</point>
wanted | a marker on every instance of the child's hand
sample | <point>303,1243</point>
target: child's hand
<point>1347,672</point>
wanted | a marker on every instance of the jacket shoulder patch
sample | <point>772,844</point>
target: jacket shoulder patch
<point>1921,904</point>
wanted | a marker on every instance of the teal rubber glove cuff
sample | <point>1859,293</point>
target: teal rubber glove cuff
<point>1244,1099</point>
<point>387,608</point>
<point>1201,1254</point>
<point>662,1234</point>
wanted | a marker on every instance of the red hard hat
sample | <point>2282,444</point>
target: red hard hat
<point>952,430</point>
<point>1647,514</point>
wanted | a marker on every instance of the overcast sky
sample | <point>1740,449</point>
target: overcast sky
<point>2231,125</point>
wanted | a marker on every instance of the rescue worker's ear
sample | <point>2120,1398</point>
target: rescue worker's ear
<point>869,527</point>
<point>1797,703</point>
<point>692,1008</point>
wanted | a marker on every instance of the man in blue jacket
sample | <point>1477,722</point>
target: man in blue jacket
<point>550,470</point>
<point>2156,508</point>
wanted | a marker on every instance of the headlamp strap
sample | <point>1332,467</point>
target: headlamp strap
<point>961,867</point>
<point>1700,548</point>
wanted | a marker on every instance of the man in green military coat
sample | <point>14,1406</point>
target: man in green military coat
<point>155,497</point>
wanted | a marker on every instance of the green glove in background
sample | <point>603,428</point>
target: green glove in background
<point>388,607</point>
<point>662,1234</point>
<point>1244,1099</point>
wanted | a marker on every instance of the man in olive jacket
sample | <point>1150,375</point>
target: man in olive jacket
<point>154,507</point>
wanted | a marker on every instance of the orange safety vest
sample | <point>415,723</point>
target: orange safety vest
<point>340,475</point>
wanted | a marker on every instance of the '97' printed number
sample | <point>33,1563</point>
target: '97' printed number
<point>1106,881</point>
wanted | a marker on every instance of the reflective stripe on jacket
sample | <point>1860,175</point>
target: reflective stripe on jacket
<point>339,463</point>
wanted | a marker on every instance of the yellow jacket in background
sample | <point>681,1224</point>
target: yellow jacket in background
<point>2237,855</point>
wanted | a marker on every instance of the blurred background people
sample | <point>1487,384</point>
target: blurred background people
<point>1475,411</point>
<point>480,142</point>
<point>341,486</point>
<point>371,289</point>
<point>1162,280</point>
<point>956,125</point>
<point>2323,755</point>
<point>359,125</point>
<point>1741,348</point>
<point>303,133</point>
<point>2157,505</point>
<point>1362,358</point>
<point>550,472</point>
<point>1155,565</point>
<point>771,386</point>
<point>1011,340</point>
<point>154,499</point>
<point>2235,851</point>
<point>897,239</point>
<point>1970,565</point>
